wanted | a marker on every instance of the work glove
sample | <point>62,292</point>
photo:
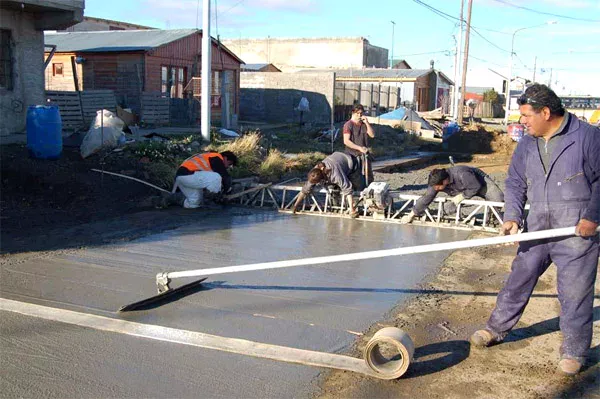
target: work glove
<point>407,218</point>
<point>457,199</point>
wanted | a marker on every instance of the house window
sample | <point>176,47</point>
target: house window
<point>216,83</point>
<point>180,81</point>
<point>57,69</point>
<point>173,80</point>
<point>6,62</point>
<point>173,84</point>
<point>164,74</point>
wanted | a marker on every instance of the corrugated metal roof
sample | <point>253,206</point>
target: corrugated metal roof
<point>109,41</point>
<point>379,73</point>
<point>254,67</point>
<point>374,73</point>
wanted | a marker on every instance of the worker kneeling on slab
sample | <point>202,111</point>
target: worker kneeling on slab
<point>460,183</point>
<point>339,169</point>
<point>204,171</point>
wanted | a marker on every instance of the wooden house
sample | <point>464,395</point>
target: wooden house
<point>134,63</point>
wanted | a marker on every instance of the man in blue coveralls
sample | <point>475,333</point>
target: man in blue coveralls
<point>556,167</point>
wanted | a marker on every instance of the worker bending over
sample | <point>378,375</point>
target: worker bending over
<point>339,169</point>
<point>204,171</point>
<point>459,182</point>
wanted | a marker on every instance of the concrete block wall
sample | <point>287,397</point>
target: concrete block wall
<point>28,71</point>
<point>273,97</point>
<point>288,54</point>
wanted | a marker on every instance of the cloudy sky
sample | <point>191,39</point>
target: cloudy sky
<point>567,52</point>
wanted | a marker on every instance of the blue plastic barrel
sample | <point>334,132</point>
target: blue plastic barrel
<point>516,131</point>
<point>44,132</point>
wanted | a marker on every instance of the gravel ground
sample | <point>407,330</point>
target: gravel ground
<point>414,179</point>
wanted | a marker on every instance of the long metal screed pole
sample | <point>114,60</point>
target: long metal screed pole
<point>536,235</point>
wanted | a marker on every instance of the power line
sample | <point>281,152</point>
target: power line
<point>546,13</point>
<point>576,52</point>
<point>233,6</point>
<point>522,63</point>
<point>486,61</point>
<point>452,18</point>
<point>487,40</point>
<point>430,52</point>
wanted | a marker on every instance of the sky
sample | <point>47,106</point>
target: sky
<point>560,43</point>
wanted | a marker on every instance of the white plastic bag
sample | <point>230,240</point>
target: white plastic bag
<point>105,131</point>
<point>303,105</point>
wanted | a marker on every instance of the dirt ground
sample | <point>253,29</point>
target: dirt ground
<point>41,196</point>
<point>47,205</point>
<point>456,302</point>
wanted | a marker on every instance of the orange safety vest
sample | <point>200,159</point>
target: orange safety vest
<point>200,162</point>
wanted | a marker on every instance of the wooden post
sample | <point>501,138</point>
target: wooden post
<point>76,84</point>
<point>466,59</point>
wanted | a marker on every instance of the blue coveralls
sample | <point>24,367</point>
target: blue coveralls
<point>568,192</point>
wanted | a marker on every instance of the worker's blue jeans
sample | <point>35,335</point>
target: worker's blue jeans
<point>576,261</point>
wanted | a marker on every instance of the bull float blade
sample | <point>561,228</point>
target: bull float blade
<point>165,297</point>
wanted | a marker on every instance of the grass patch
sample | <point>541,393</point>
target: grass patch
<point>273,167</point>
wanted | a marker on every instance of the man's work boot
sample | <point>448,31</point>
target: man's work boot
<point>569,366</point>
<point>484,338</point>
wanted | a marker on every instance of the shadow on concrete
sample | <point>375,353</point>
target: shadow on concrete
<point>223,285</point>
<point>118,229</point>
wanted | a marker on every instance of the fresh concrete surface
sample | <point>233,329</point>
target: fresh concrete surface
<point>314,307</point>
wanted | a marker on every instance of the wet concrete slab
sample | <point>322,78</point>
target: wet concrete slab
<point>318,307</point>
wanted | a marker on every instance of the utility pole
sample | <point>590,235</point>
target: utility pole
<point>550,80</point>
<point>534,67</point>
<point>457,62</point>
<point>392,59</point>
<point>465,60</point>
<point>206,72</point>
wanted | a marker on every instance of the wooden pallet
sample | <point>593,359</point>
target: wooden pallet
<point>155,108</point>
<point>95,100</point>
<point>69,106</point>
<point>78,109</point>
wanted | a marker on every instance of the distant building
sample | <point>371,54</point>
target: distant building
<point>92,24</point>
<point>401,64</point>
<point>292,54</point>
<point>260,68</point>
<point>425,89</point>
<point>22,23</point>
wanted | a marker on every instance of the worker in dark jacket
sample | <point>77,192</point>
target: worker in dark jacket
<point>556,168</point>
<point>339,169</point>
<point>204,171</point>
<point>459,182</point>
